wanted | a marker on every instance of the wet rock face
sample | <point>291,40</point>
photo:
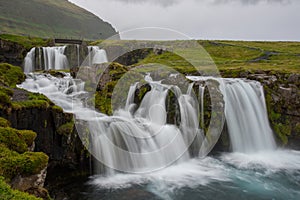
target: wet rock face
<point>25,183</point>
<point>12,53</point>
<point>64,150</point>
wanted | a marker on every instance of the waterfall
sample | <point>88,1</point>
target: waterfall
<point>96,55</point>
<point>246,116</point>
<point>47,58</point>
<point>54,58</point>
<point>201,100</point>
<point>140,140</point>
<point>29,64</point>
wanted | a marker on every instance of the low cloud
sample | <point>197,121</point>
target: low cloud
<point>164,3</point>
<point>251,2</point>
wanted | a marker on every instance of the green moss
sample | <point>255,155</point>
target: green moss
<point>6,193</point>
<point>280,123</point>
<point>34,162</point>
<point>5,97</point>
<point>13,163</point>
<point>103,102</point>
<point>144,89</point>
<point>57,109</point>
<point>38,96</point>
<point>11,75</point>
<point>13,139</point>
<point>283,131</point>
<point>116,70</point>
<point>35,100</point>
<point>40,104</point>
<point>66,129</point>
<point>297,129</point>
<point>4,123</point>
<point>28,136</point>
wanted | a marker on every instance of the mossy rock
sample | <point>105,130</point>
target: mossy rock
<point>297,129</point>
<point>66,129</point>
<point>35,100</point>
<point>5,97</point>
<point>40,104</point>
<point>12,139</point>
<point>283,131</point>
<point>13,163</point>
<point>28,136</point>
<point>7,193</point>
<point>4,123</point>
<point>17,140</point>
<point>57,109</point>
<point>103,102</point>
<point>11,75</point>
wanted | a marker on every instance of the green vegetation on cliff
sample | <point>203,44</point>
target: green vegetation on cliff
<point>6,193</point>
<point>26,41</point>
<point>11,75</point>
<point>51,18</point>
<point>15,159</point>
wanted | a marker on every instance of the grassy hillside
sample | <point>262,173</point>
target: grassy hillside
<point>227,55</point>
<point>51,18</point>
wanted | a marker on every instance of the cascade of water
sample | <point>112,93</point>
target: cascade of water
<point>201,101</point>
<point>29,61</point>
<point>140,140</point>
<point>40,59</point>
<point>54,58</point>
<point>96,55</point>
<point>246,116</point>
<point>130,98</point>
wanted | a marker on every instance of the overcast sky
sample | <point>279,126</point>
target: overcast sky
<point>203,19</point>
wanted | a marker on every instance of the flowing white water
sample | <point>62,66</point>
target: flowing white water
<point>260,175</point>
<point>29,62</point>
<point>143,141</point>
<point>54,58</point>
<point>246,115</point>
<point>96,55</point>
<point>48,57</point>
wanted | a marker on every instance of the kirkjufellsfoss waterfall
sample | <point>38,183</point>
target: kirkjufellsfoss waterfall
<point>254,169</point>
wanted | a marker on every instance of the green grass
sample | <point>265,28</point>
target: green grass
<point>229,55</point>
<point>51,19</point>
<point>26,41</point>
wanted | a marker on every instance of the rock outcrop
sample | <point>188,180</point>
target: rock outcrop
<point>55,135</point>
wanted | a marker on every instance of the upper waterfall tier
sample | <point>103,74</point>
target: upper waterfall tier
<point>59,58</point>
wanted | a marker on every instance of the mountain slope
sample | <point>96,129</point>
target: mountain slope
<point>51,18</point>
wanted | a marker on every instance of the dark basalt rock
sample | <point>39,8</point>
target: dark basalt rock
<point>12,53</point>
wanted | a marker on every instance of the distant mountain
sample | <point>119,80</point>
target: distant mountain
<point>51,18</point>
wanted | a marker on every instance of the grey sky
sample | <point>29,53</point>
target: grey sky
<point>203,19</point>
